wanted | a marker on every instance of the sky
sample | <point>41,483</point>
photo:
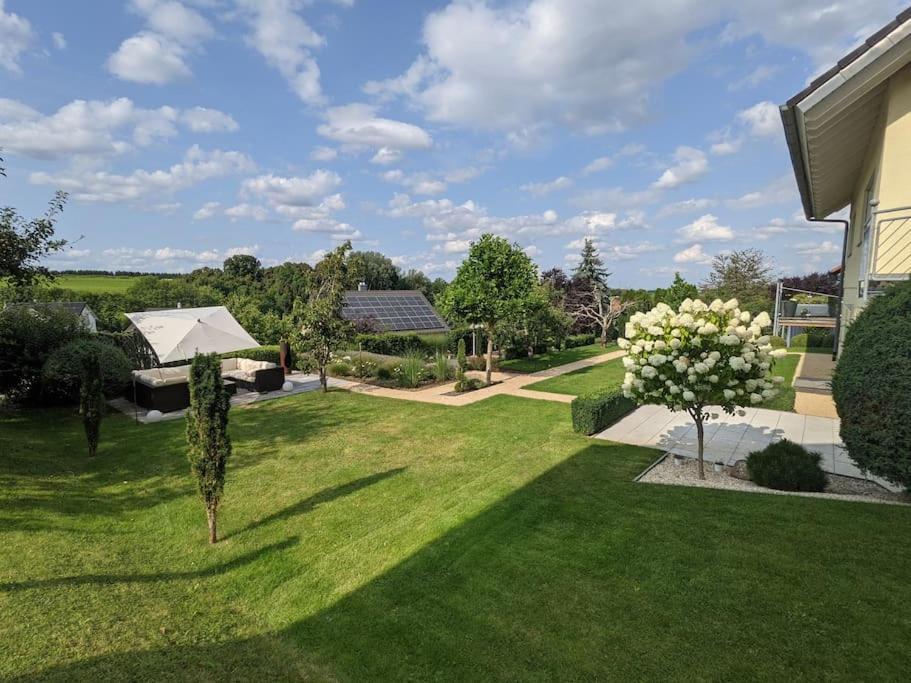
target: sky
<point>186,131</point>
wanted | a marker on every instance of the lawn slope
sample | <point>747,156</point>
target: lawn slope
<point>372,539</point>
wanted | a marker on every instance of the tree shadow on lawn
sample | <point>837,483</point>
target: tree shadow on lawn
<point>44,468</point>
<point>109,579</point>
<point>582,573</point>
<point>327,495</point>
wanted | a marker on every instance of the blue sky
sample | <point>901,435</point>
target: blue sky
<point>188,131</point>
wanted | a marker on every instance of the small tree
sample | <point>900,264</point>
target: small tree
<point>592,307</point>
<point>23,244</point>
<point>320,327</point>
<point>91,399</point>
<point>591,267</point>
<point>744,275</point>
<point>679,291</point>
<point>461,360</point>
<point>699,356</point>
<point>491,285</point>
<point>208,443</point>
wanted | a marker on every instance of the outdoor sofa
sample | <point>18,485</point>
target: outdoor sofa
<point>168,389</point>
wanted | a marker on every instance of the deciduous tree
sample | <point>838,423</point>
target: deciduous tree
<point>491,284</point>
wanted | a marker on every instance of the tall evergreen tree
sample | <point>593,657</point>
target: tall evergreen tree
<point>591,267</point>
<point>208,443</point>
<point>91,399</point>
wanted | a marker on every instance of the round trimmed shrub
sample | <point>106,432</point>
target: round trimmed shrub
<point>786,466</point>
<point>62,372</point>
<point>872,385</point>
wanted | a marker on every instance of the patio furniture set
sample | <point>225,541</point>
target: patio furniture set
<point>166,389</point>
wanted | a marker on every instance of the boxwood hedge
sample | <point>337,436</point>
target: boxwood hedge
<point>595,412</point>
<point>872,386</point>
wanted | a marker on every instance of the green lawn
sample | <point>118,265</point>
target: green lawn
<point>584,381</point>
<point>95,284</point>
<point>372,539</point>
<point>549,360</point>
<point>785,367</point>
<point>604,375</point>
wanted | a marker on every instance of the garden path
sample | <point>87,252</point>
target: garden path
<point>510,384</point>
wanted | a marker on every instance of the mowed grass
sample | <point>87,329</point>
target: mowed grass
<point>584,381</point>
<point>610,374</point>
<point>374,539</point>
<point>96,284</point>
<point>552,359</point>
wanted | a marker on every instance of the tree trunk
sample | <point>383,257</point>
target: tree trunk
<point>603,321</point>
<point>489,354</point>
<point>211,514</point>
<point>324,382</point>
<point>701,437</point>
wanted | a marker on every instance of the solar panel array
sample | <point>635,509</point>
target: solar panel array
<point>393,311</point>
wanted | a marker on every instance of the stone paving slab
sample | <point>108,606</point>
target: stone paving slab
<point>732,437</point>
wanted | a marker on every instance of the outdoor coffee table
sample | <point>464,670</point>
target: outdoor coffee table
<point>230,387</point>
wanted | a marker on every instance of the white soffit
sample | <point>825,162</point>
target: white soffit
<point>835,121</point>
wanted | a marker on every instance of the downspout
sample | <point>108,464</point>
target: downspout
<point>841,279</point>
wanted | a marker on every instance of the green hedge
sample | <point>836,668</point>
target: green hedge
<point>872,386</point>
<point>266,353</point>
<point>816,339</point>
<point>399,343</point>
<point>596,412</point>
<point>575,340</point>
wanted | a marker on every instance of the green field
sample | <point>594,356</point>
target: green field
<point>375,539</point>
<point>95,284</point>
<point>545,361</point>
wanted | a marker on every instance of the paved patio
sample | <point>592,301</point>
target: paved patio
<point>732,437</point>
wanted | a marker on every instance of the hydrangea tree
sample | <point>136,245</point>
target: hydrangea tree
<point>699,356</point>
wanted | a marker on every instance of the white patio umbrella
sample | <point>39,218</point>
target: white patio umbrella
<point>180,333</point>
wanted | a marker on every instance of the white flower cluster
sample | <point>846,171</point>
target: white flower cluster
<point>702,354</point>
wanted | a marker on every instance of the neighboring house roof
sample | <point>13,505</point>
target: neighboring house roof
<point>828,124</point>
<point>394,310</point>
<point>74,307</point>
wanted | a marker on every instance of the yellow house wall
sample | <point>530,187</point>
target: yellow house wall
<point>888,162</point>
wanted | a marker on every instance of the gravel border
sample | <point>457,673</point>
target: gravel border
<point>664,471</point>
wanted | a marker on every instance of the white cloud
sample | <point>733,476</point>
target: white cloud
<point>780,191</point>
<point>762,119</point>
<point>544,188</point>
<point>599,164</point>
<point>282,36</point>
<point>90,127</point>
<point>418,183</point>
<point>100,186</point>
<point>462,175</point>
<point>726,147</point>
<point>157,55</point>
<point>245,211</point>
<point>690,164</point>
<point>293,191</point>
<point>203,120</point>
<point>687,205</point>
<point>149,58</point>
<point>15,37</point>
<point>171,258</point>
<point>817,248</point>
<point>386,155</point>
<point>59,40</point>
<point>705,228</point>
<point>760,74</point>
<point>545,60</point>
<point>358,126</point>
<point>693,254</point>
<point>206,211</point>
<point>532,251</point>
<point>324,154</point>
